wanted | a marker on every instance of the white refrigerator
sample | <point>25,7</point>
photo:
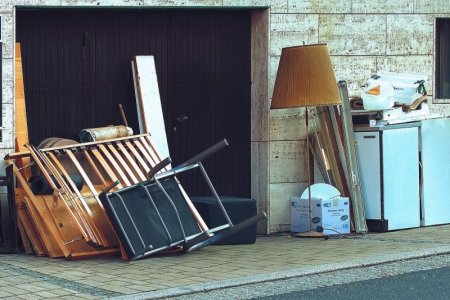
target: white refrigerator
<point>435,154</point>
<point>388,158</point>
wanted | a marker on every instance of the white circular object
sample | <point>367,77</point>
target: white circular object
<point>321,191</point>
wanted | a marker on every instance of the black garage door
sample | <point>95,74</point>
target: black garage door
<point>77,70</point>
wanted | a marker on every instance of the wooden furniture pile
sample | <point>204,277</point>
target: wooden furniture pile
<point>73,223</point>
<point>82,200</point>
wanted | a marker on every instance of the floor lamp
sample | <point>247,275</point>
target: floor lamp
<point>305,78</point>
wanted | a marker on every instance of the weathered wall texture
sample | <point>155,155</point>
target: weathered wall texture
<point>363,37</point>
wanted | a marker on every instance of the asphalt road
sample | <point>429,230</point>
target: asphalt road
<point>431,284</point>
<point>424,278</point>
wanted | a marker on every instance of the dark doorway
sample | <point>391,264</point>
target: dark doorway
<point>77,70</point>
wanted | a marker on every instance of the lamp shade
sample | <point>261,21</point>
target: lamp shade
<point>305,78</point>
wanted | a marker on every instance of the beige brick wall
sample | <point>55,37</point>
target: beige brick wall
<point>363,36</point>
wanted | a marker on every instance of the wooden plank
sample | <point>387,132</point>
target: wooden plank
<point>81,215</point>
<point>131,162</point>
<point>122,162</point>
<point>48,231</point>
<point>88,236</point>
<point>89,144</point>
<point>194,210</point>
<point>17,155</point>
<point>160,155</point>
<point>31,232</point>
<point>21,126</point>
<point>28,247</point>
<point>139,158</point>
<point>148,101</point>
<point>94,254</point>
<point>138,97</point>
<point>28,225</point>
<point>150,162</point>
<point>95,168</point>
<point>154,158</point>
<point>100,218</point>
<point>26,153</point>
<point>105,166</point>
<point>116,167</point>
<point>68,228</point>
<point>90,218</point>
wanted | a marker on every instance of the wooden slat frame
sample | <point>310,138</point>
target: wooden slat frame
<point>124,159</point>
<point>105,166</point>
<point>97,171</point>
<point>86,211</point>
<point>138,156</point>
<point>88,236</point>
<point>122,162</point>
<point>105,225</point>
<point>131,161</point>
<point>115,165</point>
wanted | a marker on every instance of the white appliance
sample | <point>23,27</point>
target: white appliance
<point>435,153</point>
<point>388,159</point>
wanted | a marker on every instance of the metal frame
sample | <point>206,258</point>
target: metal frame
<point>189,243</point>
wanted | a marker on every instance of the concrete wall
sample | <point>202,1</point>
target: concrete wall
<point>363,37</point>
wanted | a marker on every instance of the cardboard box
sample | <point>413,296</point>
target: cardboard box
<point>328,213</point>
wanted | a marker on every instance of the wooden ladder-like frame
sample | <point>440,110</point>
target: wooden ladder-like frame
<point>71,222</point>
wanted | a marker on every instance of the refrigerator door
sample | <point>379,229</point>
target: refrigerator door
<point>435,136</point>
<point>368,150</point>
<point>401,177</point>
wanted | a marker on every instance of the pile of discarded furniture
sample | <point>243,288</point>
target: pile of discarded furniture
<point>113,193</point>
<point>91,199</point>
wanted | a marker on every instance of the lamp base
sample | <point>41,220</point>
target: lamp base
<point>310,234</point>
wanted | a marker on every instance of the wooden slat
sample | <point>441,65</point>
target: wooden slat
<point>136,154</point>
<point>151,143</point>
<point>101,232</point>
<point>153,156</point>
<point>90,144</point>
<point>28,225</point>
<point>82,213</point>
<point>100,217</point>
<point>21,125</point>
<point>46,229</point>
<point>28,247</point>
<point>69,228</point>
<point>132,162</point>
<point>114,164</point>
<point>106,167</point>
<point>81,206</point>
<point>93,254</point>
<point>194,210</point>
<point>83,229</point>
<point>124,165</point>
<point>55,244</point>
<point>150,162</point>
<point>95,168</point>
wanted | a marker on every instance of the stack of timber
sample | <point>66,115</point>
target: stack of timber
<point>67,222</point>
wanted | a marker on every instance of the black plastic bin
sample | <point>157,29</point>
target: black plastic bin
<point>238,209</point>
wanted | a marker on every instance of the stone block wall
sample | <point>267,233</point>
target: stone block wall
<point>363,37</point>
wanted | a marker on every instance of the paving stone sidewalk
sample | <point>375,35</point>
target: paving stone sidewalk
<point>270,258</point>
